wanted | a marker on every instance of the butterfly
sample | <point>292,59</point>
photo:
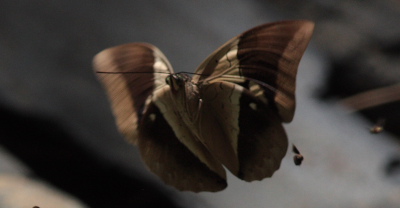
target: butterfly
<point>228,114</point>
<point>298,157</point>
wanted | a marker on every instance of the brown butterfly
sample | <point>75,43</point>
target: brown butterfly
<point>297,158</point>
<point>378,128</point>
<point>229,113</point>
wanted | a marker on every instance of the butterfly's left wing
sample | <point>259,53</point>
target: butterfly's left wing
<point>138,66</point>
<point>134,77</point>
<point>249,83</point>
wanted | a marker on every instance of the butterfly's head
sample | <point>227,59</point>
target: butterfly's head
<point>177,81</point>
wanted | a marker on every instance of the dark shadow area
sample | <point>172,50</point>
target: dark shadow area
<point>53,155</point>
<point>365,71</point>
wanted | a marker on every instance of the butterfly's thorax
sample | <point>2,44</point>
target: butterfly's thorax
<point>185,95</point>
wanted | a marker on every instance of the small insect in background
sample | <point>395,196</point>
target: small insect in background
<point>378,127</point>
<point>297,158</point>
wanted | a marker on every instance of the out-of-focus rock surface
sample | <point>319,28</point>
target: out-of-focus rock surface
<point>362,41</point>
<point>60,128</point>
<point>17,191</point>
<point>48,151</point>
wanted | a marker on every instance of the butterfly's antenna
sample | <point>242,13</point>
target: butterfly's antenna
<point>273,89</point>
<point>192,73</point>
<point>103,72</point>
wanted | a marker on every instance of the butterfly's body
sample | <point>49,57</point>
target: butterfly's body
<point>189,98</point>
<point>229,114</point>
<point>181,93</point>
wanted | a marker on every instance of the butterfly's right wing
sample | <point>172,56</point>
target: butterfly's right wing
<point>247,88</point>
<point>264,60</point>
<point>134,78</point>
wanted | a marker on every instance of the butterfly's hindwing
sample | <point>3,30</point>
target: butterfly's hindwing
<point>172,161</point>
<point>245,135</point>
<point>177,120</point>
<point>262,142</point>
<point>218,122</point>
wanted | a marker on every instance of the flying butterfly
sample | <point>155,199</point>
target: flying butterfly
<point>298,157</point>
<point>229,114</point>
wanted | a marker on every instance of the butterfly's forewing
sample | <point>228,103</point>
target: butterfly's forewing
<point>258,68</point>
<point>172,161</point>
<point>264,60</point>
<point>130,73</point>
<point>134,78</point>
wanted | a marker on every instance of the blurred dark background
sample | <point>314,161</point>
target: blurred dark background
<point>57,129</point>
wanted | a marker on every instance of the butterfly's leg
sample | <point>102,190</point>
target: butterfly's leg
<point>198,109</point>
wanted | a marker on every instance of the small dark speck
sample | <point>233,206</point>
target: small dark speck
<point>393,167</point>
<point>298,159</point>
<point>35,207</point>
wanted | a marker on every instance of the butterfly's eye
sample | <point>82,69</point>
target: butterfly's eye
<point>176,81</point>
<point>168,80</point>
